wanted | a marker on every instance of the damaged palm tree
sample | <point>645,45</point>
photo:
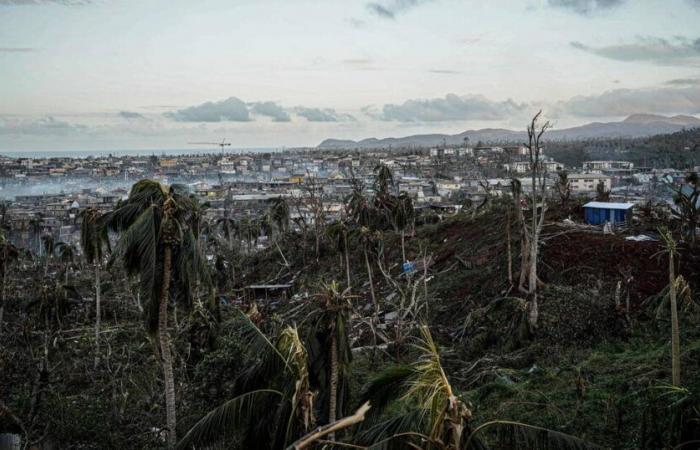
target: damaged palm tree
<point>443,417</point>
<point>532,228</point>
<point>93,243</point>
<point>671,249</point>
<point>438,418</point>
<point>273,403</point>
<point>156,243</point>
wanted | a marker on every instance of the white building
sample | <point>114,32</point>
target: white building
<point>588,182</point>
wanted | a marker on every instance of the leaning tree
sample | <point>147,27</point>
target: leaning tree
<point>157,242</point>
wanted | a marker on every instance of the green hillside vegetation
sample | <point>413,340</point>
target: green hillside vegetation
<point>446,357</point>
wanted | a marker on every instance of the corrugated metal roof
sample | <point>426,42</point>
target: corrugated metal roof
<point>606,205</point>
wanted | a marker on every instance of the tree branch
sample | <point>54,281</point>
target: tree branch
<point>325,430</point>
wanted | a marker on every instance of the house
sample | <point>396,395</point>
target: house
<point>588,182</point>
<point>597,213</point>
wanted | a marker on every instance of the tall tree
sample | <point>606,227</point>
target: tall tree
<point>403,219</point>
<point>93,243</point>
<point>330,349</point>
<point>338,233</point>
<point>383,179</point>
<point>671,249</point>
<point>538,208</point>
<point>48,244</point>
<point>66,254</point>
<point>156,239</point>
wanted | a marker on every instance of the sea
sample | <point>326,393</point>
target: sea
<point>79,154</point>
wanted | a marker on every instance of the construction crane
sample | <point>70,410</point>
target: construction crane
<point>221,144</point>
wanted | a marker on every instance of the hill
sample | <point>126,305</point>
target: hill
<point>634,126</point>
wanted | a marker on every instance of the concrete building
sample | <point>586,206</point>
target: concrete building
<point>588,182</point>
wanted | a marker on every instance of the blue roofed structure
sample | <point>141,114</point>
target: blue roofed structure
<point>597,213</point>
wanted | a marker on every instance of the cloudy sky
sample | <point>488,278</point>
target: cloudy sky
<point>126,74</point>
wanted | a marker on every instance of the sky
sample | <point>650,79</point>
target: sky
<point>157,74</point>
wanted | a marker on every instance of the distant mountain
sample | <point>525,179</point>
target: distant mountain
<point>686,121</point>
<point>636,125</point>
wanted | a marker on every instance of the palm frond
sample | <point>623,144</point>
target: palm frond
<point>389,385</point>
<point>510,434</point>
<point>391,434</point>
<point>225,420</point>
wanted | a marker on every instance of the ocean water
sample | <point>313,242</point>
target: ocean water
<point>143,152</point>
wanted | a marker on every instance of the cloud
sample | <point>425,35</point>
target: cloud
<point>623,102</point>
<point>46,126</point>
<point>585,7</point>
<point>451,107</point>
<point>270,109</point>
<point>322,115</point>
<point>230,110</point>
<point>129,115</point>
<point>390,9</point>
<point>677,51</point>
<point>17,49</point>
<point>684,82</point>
<point>695,3</point>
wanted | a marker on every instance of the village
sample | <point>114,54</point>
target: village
<point>440,181</point>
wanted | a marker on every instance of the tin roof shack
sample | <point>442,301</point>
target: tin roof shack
<point>597,213</point>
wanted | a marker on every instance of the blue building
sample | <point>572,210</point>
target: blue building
<point>597,213</point>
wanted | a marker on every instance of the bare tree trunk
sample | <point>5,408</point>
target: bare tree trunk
<point>166,355</point>
<point>347,258</point>
<point>532,283</point>
<point>333,401</point>
<point>2,297</point>
<point>98,313</point>
<point>371,288</point>
<point>508,248</point>
<point>403,247</point>
<point>675,331</point>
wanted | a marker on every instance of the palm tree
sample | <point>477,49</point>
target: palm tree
<point>8,254</point>
<point>361,213</point>
<point>403,218</point>
<point>330,347</point>
<point>338,232</point>
<point>48,244</point>
<point>35,227</point>
<point>156,240</point>
<point>93,242</point>
<point>438,417</point>
<point>442,415</point>
<point>66,254</point>
<point>671,249</point>
<point>230,229</point>
<point>273,402</point>
<point>279,214</point>
<point>384,179</point>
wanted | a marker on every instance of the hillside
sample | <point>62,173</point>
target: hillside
<point>591,369</point>
<point>634,126</point>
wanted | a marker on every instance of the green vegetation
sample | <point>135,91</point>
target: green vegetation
<point>441,354</point>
